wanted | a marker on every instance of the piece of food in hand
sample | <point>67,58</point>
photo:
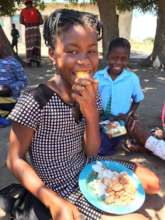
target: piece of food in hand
<point>82,74</point>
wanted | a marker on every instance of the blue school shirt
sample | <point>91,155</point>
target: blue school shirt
<point>122,91</point>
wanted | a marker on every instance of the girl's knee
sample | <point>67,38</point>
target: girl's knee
<point>125,217</point>
<point>149,179</point>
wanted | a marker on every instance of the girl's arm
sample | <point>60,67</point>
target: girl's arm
<point>92,135</point>
<point>85,92</point>
<point>19,142</point>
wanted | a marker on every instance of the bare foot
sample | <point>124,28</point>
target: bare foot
<point>158,133</point>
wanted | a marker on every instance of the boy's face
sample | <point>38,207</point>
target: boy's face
<point>75,50</point>
<point>118,59</point>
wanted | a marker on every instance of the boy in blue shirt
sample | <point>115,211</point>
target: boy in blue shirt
<point>119,89</point>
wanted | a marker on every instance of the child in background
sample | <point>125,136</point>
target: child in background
<point>153,143</point>
<point>12,80</point>
<point>119,89</point>
<point>59,145</point>
<point>15,36</point>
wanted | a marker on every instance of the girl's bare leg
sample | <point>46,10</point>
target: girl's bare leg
<point>149,179</point>
<point>125,217</point>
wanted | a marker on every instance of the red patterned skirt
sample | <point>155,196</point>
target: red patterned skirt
<point>33,43</point>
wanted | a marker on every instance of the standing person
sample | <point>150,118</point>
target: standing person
<point>59,145</point>
<point>15,35</point>
<point>31,18</point>
<point>119,89</point>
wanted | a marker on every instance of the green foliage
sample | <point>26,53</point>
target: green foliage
<point>122,5</point>
<point>143,5</point>
<point>9,7</point>
<point>82,2</point>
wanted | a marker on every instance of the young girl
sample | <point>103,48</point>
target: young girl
<point>59,145</point>
<point>119,89</point>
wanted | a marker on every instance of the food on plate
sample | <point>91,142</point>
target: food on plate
<point>111,186</point>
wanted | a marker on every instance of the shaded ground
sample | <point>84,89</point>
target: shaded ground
<point>153,83</point>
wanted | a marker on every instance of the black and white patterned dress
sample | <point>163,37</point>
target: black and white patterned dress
<point>56,150</point>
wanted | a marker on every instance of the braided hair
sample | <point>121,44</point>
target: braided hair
<point>119,42</point>
<point>62,19</point>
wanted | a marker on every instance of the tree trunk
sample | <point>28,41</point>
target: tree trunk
<point>7,47</point>
<point>109,19</point>
<point>159,42</point>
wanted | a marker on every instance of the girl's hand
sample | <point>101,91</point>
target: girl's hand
<point>62,209</point>
<point>84,92</point>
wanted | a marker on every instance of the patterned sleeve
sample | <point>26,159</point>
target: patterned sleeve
<point>99,103</point>
<point>26,112</point>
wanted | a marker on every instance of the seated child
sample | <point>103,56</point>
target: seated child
<point>59,145</point>
<point>119,89</point>
<point>146,141</point>
<point>7,103</point>
<point>12,80</point>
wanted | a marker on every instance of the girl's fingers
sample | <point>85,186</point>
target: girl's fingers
<point>77,97</point>
<point>86,82</point>
<point>78,89</point>
<point>95,84</point>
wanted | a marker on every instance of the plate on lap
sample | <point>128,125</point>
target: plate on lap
<point>111,187</point>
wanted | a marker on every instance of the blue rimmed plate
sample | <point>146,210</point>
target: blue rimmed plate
<point>119,209</point>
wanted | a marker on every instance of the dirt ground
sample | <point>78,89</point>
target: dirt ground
<point>153,83</point>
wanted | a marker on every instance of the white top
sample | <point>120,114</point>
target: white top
<point>156,146</point>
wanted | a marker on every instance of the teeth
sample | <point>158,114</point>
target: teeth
<point>82,74</point>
